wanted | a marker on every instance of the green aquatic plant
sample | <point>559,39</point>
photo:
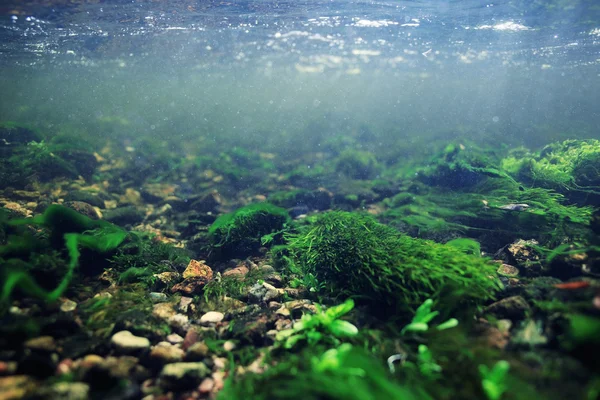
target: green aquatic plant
<point>341,373</point>
<point>239,233</point>
<point>358,257</point>
<point>323,326</point>
<point>428,367</point>
<point>76,231</point>
<point>357,164</point>
<point>493,380</point>
<point>424,315</point>
<point>571,167</point>
<point>467,246</point>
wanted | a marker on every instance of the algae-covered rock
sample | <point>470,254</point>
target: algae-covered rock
<point>357,164</point>
<point>569,167</point>
<point>352,254</point>
<point>242,232</point>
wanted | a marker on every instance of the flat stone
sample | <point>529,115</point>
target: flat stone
<point>69,390</point>
<point>513,308</point>
<point>42,343</point>
<point>174,338</point>
<point>166,353</point>
<point>127,342</point>
<point>157,297</point>
<point>212,317</point>
<point>182,375</point>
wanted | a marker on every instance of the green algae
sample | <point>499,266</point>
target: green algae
<point>358,257</point>
<point>239,233</point>
<point>77,231</point>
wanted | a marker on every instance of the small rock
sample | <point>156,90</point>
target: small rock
<point>182,375</point>
<point>69,391</point>
<point>530,334</point>
<point>198,269</point>
<point>83,208</point>
<point>165,353</point>
<point>68,305</point>
<point>16,386</point>
<point>42,343</point>
<point>127,342</point>
<point>220,363</point>
<point>263,292</point>
<point>163,311</point>
<point>508,270</point>
<point>197,352</point>
<point>174,338</point>
<point>210,202</point>
<point>229,345</point>
<point>190,286</point>
<point>212,317</point>
<point>179,322</point>
<point>206,386</point>
<point>157,297</point>
<point>184,303</point>
<point>239,271</point>
<point>128,215</point>
<point>155,192</point>
<point>191,337</point>
<point>165,279</point>
<point>513,308</point>
<point>8,367</point>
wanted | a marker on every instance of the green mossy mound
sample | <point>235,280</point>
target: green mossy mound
<point>459,167</point>
<point>435,214</point>
<point>242,232</point>
<point>571,167</point>
<point>356,256</point>
<point>357,164</point>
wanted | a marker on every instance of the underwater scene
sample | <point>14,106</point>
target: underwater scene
<point>300,199</point>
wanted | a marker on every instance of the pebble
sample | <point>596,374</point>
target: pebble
<point>163,311</point>
<point>206,386</point>
<point>212,317</point>
<point>68,305</point>
<point>42,343</point>
<point>184,304</point>
<point>239,271</point>
<point>174,338</point>
<point>513,308</point>
<point>165,279</point>
<point>166,353</point>
<point>197,352</point>
<point>180,322</point>
<point>182,375</point>
<point>229,346</point>
<point>69,390</point>
<point>157,297</point>
<point>263,292</point>
<point>127,342</point>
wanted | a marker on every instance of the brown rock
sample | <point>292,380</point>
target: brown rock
<point>190,286</point>
<point>16,387</point>
<point>239,271</point>
<point>513,308</point>
<point>42,343</point>
<point>83,208</point>
<point>198,269</point>
<point>163,311</point>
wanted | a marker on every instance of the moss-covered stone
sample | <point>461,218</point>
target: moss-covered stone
<point>355,255</point>
<point>242,232</point>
